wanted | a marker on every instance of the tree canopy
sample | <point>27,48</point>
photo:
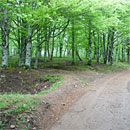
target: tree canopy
<point>91,29</point>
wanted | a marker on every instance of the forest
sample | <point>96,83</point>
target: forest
<point>57,54</point>
<point>82,29</point>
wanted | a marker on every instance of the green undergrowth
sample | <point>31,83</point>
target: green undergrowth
<point>13,61</point>
<point>13,107</point>
<point>111,68</point>
<point>15,102</point>
<point>51,77</point>
<point>53,87</point>
<point>65,64</point>
<point>55,79</point>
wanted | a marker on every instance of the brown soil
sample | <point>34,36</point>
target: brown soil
<point>23,81</point>
<point>25,121</point>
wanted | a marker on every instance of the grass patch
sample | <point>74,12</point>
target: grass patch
<point>13,107</point>
<point>110,68</point>
<point>55,79</point>
<point>51,77</point>
<point>19,101</point>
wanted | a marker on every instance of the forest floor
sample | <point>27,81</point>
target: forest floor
<point>41,107</point>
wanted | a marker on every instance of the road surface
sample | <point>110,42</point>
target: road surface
<point>106,106</point>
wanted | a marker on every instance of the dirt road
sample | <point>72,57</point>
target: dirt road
<point>106,106</point>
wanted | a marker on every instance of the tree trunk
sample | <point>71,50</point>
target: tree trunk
<point>77,53</point>
<point>108,47</point>
<point>112,47</point>
<point>73,46</point>
<point>22,43</point>
<point>57,50</point>
<point>104,47</point>
<point>29,47</point>
<point>53,44</point>
<point>89,45</point>
<point>128,55</point>
<point>37,58</point>
<point>61,47</point>
<point>5,39</point>
<point>40,51</point>
<point>95,46</point>
<point>117,53</point>
<point>128,50</point>
<point>48,48</point>
<point>68,52</point>
<point>123,55</point>
<point>37,51</point>
<point>65,52</point>
<point>5,54</point>
<point>98,54</point>
<point>46,42</point>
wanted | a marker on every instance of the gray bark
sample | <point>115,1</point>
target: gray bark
<point>22,42</point>
<point>37,51</point>
<point>36,60</point>
<point>53,44</point>
<point>5,39</point>
<point>28,48</point>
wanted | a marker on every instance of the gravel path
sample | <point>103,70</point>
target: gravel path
<point>106,106</point>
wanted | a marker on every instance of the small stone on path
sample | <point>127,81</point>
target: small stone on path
<point>12,126</point>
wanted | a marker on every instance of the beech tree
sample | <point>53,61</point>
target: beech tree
<point>82,29</point>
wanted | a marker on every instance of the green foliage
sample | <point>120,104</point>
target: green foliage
<point>111,68</point>
<point>52,78</point>
<point>12,105</point>
<point>89,62</point>
<point>44,17</point>
<point>16,103</point>
<point>54,86</point>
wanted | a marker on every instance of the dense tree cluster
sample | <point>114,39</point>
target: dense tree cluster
<point>91,29</point>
